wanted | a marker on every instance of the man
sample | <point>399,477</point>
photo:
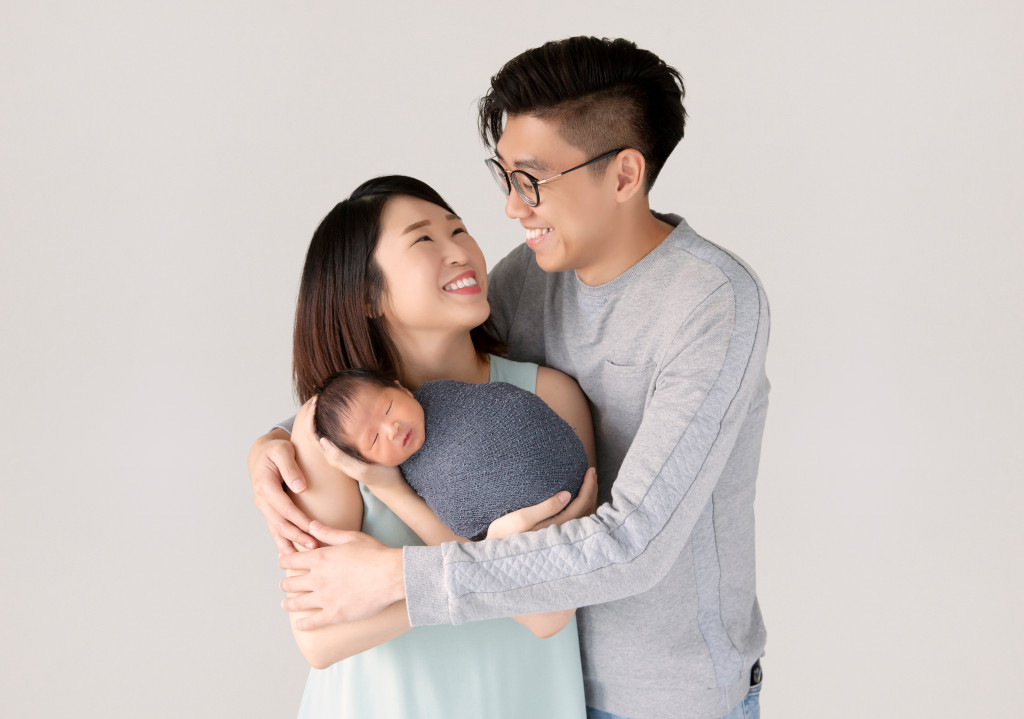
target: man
<point>666,333</point>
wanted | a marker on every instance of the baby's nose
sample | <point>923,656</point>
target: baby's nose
<point>393,430</point>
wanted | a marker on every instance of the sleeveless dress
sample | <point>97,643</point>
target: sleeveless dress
<point>495,668</point>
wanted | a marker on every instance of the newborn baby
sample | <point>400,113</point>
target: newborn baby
<point>474,452</point>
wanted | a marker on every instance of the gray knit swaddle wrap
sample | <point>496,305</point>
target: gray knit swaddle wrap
<point>490,449</point>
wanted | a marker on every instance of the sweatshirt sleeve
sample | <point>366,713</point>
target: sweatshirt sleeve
<point>694,428</point>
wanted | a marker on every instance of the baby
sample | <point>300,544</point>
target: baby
<point>473,452</point>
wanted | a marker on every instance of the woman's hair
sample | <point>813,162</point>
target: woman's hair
<point>339,323</point>
<point>335,401</point>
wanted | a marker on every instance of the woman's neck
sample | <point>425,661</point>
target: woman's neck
<point>430,356</point>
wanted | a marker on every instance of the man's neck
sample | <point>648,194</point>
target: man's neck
<point>428,356</point>
<point>628,241</point>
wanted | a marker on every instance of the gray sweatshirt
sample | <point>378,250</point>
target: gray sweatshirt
<point>671,355</point>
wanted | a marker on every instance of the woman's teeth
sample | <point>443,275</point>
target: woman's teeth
<point>458,285</point>
<point>534,234</point>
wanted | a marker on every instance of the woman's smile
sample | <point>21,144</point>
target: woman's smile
<point>463,284</point>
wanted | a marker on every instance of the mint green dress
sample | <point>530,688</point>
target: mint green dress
<point>496,668</point>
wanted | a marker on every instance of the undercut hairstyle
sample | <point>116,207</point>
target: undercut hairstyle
<point>339,318</point>
<point>602,95</point>
<point>336,400</point>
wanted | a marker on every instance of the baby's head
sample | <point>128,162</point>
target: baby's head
<point>368,417</point>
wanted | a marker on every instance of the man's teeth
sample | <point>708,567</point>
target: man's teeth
<point>534,234</point>
<point>464,282</point>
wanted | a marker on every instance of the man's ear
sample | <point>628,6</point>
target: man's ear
<point>630,168</point>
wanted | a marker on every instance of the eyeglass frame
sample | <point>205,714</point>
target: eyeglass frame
<point>510,183</point>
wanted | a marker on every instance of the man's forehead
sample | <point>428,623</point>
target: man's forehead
<point>529,143</point>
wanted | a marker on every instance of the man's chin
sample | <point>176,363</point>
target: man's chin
<point>549,263</point>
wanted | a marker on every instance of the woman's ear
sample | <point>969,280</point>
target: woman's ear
<point>630,168</point>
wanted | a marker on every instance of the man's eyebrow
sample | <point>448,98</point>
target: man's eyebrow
<point>529,163</point>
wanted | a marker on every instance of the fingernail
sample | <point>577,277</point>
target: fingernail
<point>309,545</point>
<point>324,443</point>
<point>314,525</point>
<point>299,485</point>
<point>563,497</point>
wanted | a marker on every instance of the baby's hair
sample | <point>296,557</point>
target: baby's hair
<point>335,401</point>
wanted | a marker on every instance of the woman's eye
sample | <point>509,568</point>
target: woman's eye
<point>425,238</point>
<point>458,230</point>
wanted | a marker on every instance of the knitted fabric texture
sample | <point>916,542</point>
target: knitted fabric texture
<point>490,449</point>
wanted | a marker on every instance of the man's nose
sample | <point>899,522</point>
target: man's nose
<point>515,208</point>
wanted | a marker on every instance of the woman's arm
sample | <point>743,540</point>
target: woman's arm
<point>562,394</point>
<point>411,509</point>
<point>334,499</point>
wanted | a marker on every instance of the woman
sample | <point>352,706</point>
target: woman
<point>393,281</point>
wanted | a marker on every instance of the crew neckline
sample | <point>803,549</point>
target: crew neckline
<point>641,266</point>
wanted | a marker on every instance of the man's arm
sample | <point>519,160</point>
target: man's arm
<point>710,391</point>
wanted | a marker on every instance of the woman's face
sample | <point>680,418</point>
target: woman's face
<point>435,273</point>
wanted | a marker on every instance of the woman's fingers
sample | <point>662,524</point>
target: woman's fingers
<point>527,518</point>
<point>339,460</point>
<point>281,455</point>
<point>584,505</point>
<point>274,459</point>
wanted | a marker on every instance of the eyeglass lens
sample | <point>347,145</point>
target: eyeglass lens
<point>522,185</point>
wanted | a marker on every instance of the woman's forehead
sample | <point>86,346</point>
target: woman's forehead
<point>402,212</point>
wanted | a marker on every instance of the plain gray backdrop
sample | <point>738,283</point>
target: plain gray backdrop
<point>163,166</point>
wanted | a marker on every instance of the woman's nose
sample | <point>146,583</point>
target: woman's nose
<point>455,254</point>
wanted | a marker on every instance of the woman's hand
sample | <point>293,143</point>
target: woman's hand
<point>374,476</point>
<point>551,511</point>
<point>271,462</point>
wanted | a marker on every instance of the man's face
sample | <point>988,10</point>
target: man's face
<point>569,227</point>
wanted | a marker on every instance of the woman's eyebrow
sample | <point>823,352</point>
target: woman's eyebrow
<point>416,226</point>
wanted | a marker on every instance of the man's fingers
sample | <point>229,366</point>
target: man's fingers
<point>313,621</point>
<point>297,583</point>
<point>302,602</point>
<point>297,560</point>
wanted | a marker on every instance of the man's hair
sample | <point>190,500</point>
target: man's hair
<point>601,94</point>
<point>336,400</point>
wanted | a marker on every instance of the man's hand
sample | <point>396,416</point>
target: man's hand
<point>353,577</point>
<point>550,511</point>
<point>271,461</point>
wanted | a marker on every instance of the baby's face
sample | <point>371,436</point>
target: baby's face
<point>385,425</point>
